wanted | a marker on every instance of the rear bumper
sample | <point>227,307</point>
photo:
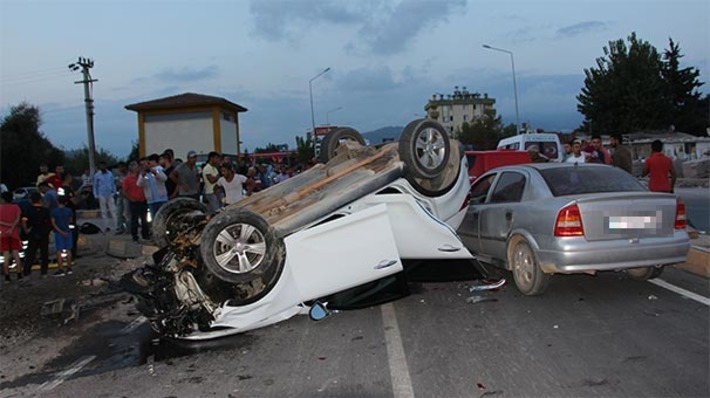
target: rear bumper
<point>574,255</point>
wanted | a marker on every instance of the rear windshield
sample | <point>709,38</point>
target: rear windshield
<point>580,180</point>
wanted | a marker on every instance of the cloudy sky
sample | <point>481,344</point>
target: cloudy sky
<point>387,57</point>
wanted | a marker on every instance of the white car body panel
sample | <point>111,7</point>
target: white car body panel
<point>321,260</point>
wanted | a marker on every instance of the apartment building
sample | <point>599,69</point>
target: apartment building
<point>453,110</point>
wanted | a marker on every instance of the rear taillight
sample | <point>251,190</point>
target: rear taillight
<point>569,222</point>
<point>680,218</point>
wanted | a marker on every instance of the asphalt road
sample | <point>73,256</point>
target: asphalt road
<point>587,336</point>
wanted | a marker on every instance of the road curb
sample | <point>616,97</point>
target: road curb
<point>698,262</point>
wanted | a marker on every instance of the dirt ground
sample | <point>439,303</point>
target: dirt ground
<point>39,317</point>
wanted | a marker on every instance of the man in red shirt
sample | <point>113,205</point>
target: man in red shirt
<point>137,203</point>
<point>10,233</point>
<point>660,167</point>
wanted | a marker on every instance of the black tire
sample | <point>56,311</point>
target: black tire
<point>167,222</point>
<point>528,277</point>
<point>644,273</point>
<point>239,246</point>
<point>334,138</point>
<point>425,148</point>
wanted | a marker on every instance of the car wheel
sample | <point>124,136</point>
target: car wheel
<point>336,137</point>
<point>528,276</point>
<point>169,220</point>
<point>644,273</point>
<point>425,148</point>
<point>239,246</point>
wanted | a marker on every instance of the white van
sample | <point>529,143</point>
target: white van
<point>548,143</point>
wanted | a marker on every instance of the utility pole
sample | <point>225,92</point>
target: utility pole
<point>85,64</point>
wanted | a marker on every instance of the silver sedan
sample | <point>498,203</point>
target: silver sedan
<point>540,219</point>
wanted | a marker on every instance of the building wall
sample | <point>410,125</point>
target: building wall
<point>453,116</point>
<point>228,131</point>
<point>181,132</point>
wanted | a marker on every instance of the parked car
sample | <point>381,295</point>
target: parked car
<point>338,233</point>
<point>22,193</point>
<point>480,162</point>
<point>541,219</point>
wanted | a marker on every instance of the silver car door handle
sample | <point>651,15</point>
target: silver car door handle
<point>448,248</point>
<point>385,264</point>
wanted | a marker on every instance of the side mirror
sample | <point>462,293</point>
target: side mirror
<point>318,311</point>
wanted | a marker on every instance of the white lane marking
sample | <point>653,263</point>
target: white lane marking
<point>136,322</point>
<point>62,376</point>
<point>399,371</point>
<point>701,248</point>
<point>681,291</point>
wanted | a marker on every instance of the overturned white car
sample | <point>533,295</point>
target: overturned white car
<point>336,234</point>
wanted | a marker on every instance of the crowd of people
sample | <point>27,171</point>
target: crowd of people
<point>124,194</point>
<point>127,193</point>
<point>658,167</point>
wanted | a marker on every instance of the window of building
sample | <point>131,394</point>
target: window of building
<point>451,118</point>
<point>465,118</point>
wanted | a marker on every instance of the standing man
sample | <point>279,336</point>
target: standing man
<point>43,173</point>
<point>621,157</point>
<point>210,175</point>
<point>166,161</point>
<point>187,178</point>
<point>152,180</point>
<point>123,216</point>
<point>136,201</point>
<point>104,191</point>
<point>661,170</point>
<point>49,195</point>
<point>597,152</point>
<point>37,224</point>
<point>577,156</point>
<point>56,179</point>
<point>233,184</point>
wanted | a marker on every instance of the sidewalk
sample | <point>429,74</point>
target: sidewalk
<point>699,257</point>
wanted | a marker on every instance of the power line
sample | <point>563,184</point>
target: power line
<point>25,75</point>
<point>34,79</point>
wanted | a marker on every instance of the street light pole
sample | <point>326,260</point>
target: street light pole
<point>327,114</point>
<point>313,117</point>
<point>515,84</point>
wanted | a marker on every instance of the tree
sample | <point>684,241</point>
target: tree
<point>484,132</point>
<point>77,160</point>
<point>24,146</point>
<point>633,88</point>
<point>304,149</point>
<point>689,112</point>
<point>134,154</point>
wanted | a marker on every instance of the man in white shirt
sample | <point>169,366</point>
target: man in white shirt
<point>210,176</point>
<point>577,156</point>
<point>232,183</point>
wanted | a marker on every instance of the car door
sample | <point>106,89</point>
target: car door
<point>342,253</point>
<point>497,215</point>
<point>469,229</point>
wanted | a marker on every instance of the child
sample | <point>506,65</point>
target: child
<point>61,219</point>
<point>10,233</point>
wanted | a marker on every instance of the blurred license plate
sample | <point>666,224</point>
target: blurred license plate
<point>632,222</point>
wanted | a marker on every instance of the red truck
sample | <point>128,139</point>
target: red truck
<point>481,161</point>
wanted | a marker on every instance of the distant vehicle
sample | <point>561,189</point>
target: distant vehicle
<point>548,143</point>
<point>480,162</point>
<point>540,219</point>
<point>22,193</point>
